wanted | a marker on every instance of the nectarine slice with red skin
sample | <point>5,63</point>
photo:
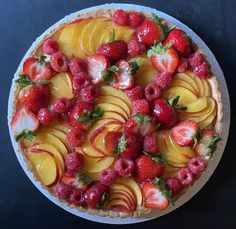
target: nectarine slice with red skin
<point>131,200</point>
<point>117,201</point>
<point>113,115</point>
<point>124,197</point>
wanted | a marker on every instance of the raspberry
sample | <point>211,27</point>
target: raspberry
<point>135,93</point>
<point>164,80</point>
<point>183,65</point>
<point>62,105</point>
<point>174,184</point>
<point>107,176</point>
<point>135,48</point>
<point>77,197</point>
<point>150,144</point>
<point>62,191</point>
<point>74,161</point>
<point>76,137</point>
<point>80,81</point>
<point>89,93</point>
<point>197,165</point>
<point>152,91</point>
<point>135,19</point>
<point>141,106</point>
<point>195,59</point>
<point>120,17</point>
<point>185,176</point>
<point>77,65</point>
<point>59,62</point>
<point>124,167</point>
<point>45,116</point>
<point>50,46</point>
<point>203,70</point>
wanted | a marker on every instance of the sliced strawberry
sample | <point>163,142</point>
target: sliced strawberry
<point>153,197</point>
<point>163,58</point>
<point>96,64</point>
<point>185,133</point>
<point>37,69</point>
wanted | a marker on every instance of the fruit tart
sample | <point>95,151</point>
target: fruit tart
<point>117,113</point>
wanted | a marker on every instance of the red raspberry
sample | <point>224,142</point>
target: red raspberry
<point>124,167</point>
<point>120,17</point>
<point>195,59</point>
<point>90,93</point>
<point>183,65</point>
<point>77,65</point>
<point>45,116</point>
<point>50,46</point>
<point>164,80</point>
<point>76,137</point>
<point>152,91</point>
<point>141,106</point>
<point>185,176</point>
<point>135,93</point>
<point>74,161</point>
<point>135,48</point>
<point>203,70</point>
<point>77,197</point>
<point>62,105</point>
<point>107,176</point>
<point>197,165</point>
<point>174,184</point>
<point>150,144</point>
<point>135,19</point>
<point>59,62</point>
<point>80,81</point>
<point>62,191</point>
<point>131,126</point>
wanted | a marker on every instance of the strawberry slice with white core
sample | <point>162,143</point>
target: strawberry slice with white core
<point>96,65</point>
<point>185,133</point>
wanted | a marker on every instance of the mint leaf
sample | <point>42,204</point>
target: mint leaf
<point>83,119</point>
<point>122,143</point>
<point>174,103</point>
<point>134,67</point>
<point>25,134</point>
<point>91,116</point>
<point>142,119</point>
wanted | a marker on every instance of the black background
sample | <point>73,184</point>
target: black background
<point>22,205</point>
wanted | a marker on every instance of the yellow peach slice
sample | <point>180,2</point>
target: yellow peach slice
<point>183,83</point>
<point>197,106</point>
<point>169,171</point>
<point>145,75</point>
<point>89,151</point>
<point>113,115</point>
<point>206,122</point>
<point>119,201</point>
<point>207,88</point>
<point>121,188</point>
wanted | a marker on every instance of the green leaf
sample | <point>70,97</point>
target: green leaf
<point>107,75</point>
<point>43,82</point>
<point>158,126</point>
<point>160,158</point>
<point>83,119</point>
<point>210,146</point>
<point>168,27</point>
<point>196,137</point>
<point>156,19</point>
<point>111,36</point>
<point>142,119</point>
<point>174,103</point>
<point>122,143</point>
<point>83,178</point>
<point>134,67</point>
<point>42,60</point>
<point>157,48</point>
<point>104,199</point>
<point>25,134</point>
<point>96,114</point>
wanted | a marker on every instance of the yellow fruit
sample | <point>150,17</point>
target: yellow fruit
<point>197,106</point>
<point>113,115</point>
<point>182,83</point>
<point>206,122</point>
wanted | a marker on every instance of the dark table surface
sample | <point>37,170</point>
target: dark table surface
<point>22,205</point>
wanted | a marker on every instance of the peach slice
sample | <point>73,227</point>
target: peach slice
<point>124,196</point>
<point>183,83</point>
<point>207,88</point>
<point>206,122</point>
<point>90,152</point>
<point>169,171</point>
<point>146,75</point>
<point>117,202</point>
<point>45,167</point>
<point>113,115</point>
<point>197,106</point>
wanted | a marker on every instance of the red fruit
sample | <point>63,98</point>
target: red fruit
<point>141,106</point>
<point>150,144</point>
<point>174,184</point>
<point>185,176</point>
<point>120,17</point>
<point>179,41</point>
<point>59,62</point>
<point>112,140</point>
<point>129,146</point>
<point>164,59</point>
<point>185,133</point>
<point>74,161</point>
<point>147,128</point>
<point>203,70</point>
<point>135,48</point>
<point>35,97</point>
<point>62,105</point>
<point>77,197</point>
<point>76,137</point>
<point>153,197</point>
<point>62,191</point>
<point>131,126</point>
<point>107,176</point>
<point>77,65</point>
<point>115,50</point>
<point>195,59</point>
<point>146,168</point>
<point>149,32</point>
<point>50,46</point>
<point>89,93</point>
<point>135,19</point>
<point>124,167</point>
<point>96,64</point>
<point>183,65</point>
<point>45,116</point>
<point>197,165</point>
<point>37,70</point>
<point>165,113</point>
<point>152,91</point>
<point>164,80</point>
<point>135,93</point>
